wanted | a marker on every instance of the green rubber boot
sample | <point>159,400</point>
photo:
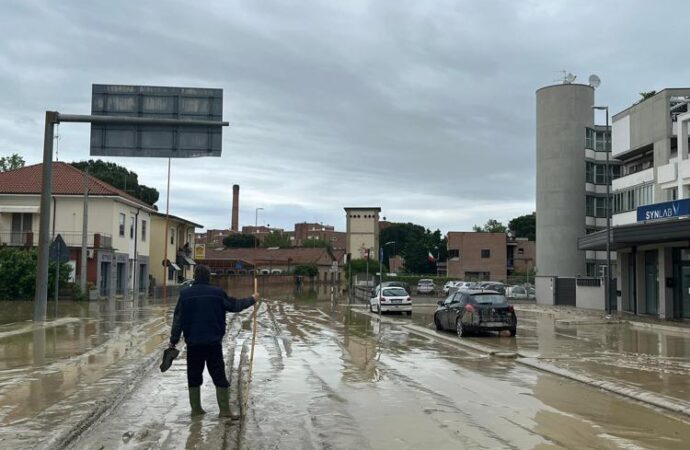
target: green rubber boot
<point>223,397</point>
<point>195,400</point>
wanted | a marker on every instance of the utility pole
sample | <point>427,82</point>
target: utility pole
<point>41,295</point>
<point>84,230</point>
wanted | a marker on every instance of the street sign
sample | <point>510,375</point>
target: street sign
<point>58,251</point>
<point>174,140</point>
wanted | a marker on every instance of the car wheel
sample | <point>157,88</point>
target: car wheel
<point>371,307</point>
<point>438,324</point>
<point>409,313</point>
<point>513,332</point>
<point>462,332</point>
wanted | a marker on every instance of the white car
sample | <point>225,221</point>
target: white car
<point>448,285</point>
<point>391,299</point>
<point>516,292</point>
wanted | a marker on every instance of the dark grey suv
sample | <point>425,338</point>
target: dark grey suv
<point>471,311</point>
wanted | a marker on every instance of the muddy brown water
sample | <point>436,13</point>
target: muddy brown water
<point>328,377</point>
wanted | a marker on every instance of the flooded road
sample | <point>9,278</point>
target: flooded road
<point>329,377</point>
<point>653,360</point>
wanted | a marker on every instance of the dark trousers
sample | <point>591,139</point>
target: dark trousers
<point>212,356</point>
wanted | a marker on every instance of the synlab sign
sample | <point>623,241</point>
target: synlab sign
<point>666,210</point>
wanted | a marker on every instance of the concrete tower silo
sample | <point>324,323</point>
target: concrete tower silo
<point>564,112</point>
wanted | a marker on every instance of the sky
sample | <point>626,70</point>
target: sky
<point>423,108</point>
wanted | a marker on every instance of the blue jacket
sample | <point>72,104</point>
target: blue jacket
<point>200,314</point>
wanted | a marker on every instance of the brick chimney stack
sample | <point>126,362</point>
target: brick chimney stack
<point>235,207</point>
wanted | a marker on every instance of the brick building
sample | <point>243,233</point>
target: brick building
<point>305,231</point>
<point>488,256</point>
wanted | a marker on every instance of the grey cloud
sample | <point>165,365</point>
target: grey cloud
<point>424,108</point>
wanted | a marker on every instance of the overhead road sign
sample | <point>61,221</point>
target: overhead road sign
<point>169,122</point>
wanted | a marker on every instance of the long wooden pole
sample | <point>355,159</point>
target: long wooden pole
<point>166,264</point>
<point>256,308</point>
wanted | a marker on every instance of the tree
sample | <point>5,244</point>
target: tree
<point>307,270</point>
<point>360,266</point>
<point>240,241</point>
<point>316,243</point>
<point>277,239</point>
<point>645,95</point>
<point>491,226</point>
<point>119,177</point>
<point>524,226</point>
<point>12,162</point>
<point>414,243</point>
<point>18,273</point>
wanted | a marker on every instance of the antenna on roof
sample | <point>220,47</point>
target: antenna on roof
<point>594,81</point>
<point>568,77</point>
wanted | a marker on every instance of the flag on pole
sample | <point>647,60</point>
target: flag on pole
<point>430,257</point>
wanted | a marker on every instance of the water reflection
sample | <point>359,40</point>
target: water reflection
<point>42,364</point>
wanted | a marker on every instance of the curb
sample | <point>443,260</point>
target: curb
<point>658,327</point>
<point>658,400</point>
<point>646,397</point>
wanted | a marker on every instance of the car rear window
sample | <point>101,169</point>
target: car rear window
<point>395,292</point>
<point>489,299</point>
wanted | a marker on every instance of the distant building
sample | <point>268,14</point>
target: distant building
<point>362,232</point>
<point>179,265</point>
<point>212,237</point>
<point>265,261</point>
<point>306,231</point>
<point>475,256</point>
<point>261,231</point>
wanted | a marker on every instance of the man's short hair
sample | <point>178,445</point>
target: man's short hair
<point>202,273</point>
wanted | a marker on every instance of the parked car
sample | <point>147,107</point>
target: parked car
<point>449,285</point>
<point>391,299</point>
<point>401,284</point>
<point>463,285</point>
<point>186,284</point>
<point>426,286</point>
<point>493,286</point>
<point>471,311</point>
<point>517,292</point>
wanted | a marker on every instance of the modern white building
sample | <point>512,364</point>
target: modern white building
<point>651,206</point>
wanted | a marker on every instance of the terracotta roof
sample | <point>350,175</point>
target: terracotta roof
<point>67,180</point>
<point>297,255</point>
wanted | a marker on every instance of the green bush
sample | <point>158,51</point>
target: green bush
<point>360,266</point>
<point>18,273</point>
<point>307,270</point>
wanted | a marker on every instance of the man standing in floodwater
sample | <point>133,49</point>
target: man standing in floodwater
<point>200,316</point>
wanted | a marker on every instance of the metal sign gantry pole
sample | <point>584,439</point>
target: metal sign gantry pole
<point>53,118</point>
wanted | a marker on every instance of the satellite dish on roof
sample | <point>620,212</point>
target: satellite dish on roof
<point>594,81</point>
<point>569,78</point>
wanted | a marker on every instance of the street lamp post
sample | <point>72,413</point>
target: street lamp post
<point>607,148</point>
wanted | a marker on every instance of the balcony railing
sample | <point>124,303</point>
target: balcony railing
<point>19,238</point>
<point>71,238</point>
